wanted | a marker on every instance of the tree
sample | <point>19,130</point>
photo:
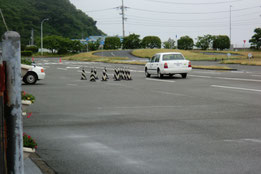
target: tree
<point>221,42</point>
<point>131,42</point>
<point>93,46</point>
<point>76,46</point>
<point>170,44</point>
<point>185,43</point>
<point>256,39</point>
<point>112,43</point>
<point>151,42</point>
<point>204,42</point>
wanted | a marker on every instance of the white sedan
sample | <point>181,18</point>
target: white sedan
<point>168,64</point>
<point>32,73</point>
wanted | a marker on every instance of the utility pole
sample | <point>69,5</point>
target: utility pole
<point>230,28</point>
<point>122,7</point>
<point>32,37</point>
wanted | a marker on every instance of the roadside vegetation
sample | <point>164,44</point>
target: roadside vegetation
<point>189,54</point>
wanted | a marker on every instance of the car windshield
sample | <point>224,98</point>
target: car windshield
<point>173,57</point>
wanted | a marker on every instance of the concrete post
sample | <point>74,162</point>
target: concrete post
<point>12,58</point>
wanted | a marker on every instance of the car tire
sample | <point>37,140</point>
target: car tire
<point>159,74</point>
<point>30,78</point>
<point>184,75</point>
<point>146,73</point>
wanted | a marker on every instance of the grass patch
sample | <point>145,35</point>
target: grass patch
<point>89,57</point>
<point>243,62</point>
<point>189,54</point>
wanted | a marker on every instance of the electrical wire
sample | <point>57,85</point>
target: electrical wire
<point>198,3</point>
<point>194,13</point>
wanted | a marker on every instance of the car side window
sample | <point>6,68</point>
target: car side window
<point>152,59</point>
<point>157,58</point>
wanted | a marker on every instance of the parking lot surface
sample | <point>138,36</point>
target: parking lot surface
<point>207,123</point>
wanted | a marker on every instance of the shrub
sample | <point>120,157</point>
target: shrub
<point>185,43</point>
<point>131,42</point>
<point>204,42</point>
<point>26,61</point>
<point>221,42</point>
<point>29,142</point>
<point>26,96</point>
<point>26,53</point>
<point>32,48</point>
<point>151,42</point>
<point>112,43</point>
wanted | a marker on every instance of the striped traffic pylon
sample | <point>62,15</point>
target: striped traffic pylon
<point>116,75</point>
<point>104,75</point>
<point>92,76</point>
<point>83,76</point>
<point>129,75</point>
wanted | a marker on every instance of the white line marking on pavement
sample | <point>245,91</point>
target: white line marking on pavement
<point>72,67</point>
<point>226,78</point>
<point>169,81</point>
<point>244,140</point>
<point>72,85</point>
<point>256,75</point>
<point>237,88</point>
<point>62,69</point>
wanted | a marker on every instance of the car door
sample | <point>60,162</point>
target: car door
<point>150,65</point>
<point>155,64</point>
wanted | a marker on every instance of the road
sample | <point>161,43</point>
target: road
<point>207,123</point>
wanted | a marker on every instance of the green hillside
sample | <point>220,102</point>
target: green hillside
<point>64,19</point>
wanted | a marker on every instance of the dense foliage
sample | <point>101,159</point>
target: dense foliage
<point>112,43</point>
<point>256,39</point>
<point>131,42</point>
<point>62,45</point>
<point>170,44</point>
<point>185,43</point>
<point>151,42</point>
<point>204,42</point>
<point>221,42</point>
<point>64,19</point>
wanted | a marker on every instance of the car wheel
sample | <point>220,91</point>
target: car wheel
<point>184,75</point>
<point>146,73</point>
<point>159,74</point>
<point>30,78</point>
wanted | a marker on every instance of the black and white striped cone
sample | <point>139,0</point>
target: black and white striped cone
<point>116,75</point>
<point>125,74</point>
<point>83,76</point>
<point>95,73</point>
<point>121,74</point>
<point>92,76</point>
<point>129,75</point>
<point>104,75</point>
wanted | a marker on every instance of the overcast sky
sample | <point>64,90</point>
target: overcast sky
<point>168,18</point>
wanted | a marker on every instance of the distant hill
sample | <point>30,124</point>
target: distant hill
<point>64,19</point>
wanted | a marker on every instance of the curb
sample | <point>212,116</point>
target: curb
<point>41,164</point>
<point>231,69</point>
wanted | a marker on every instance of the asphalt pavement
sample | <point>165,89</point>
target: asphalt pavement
<point>207,123</point>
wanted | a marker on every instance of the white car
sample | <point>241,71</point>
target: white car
<point>168,64</point>
<point>32,73</point>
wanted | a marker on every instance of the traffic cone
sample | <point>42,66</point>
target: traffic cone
<point>83,77</point>
<point>129,75</point>
<point>60,60</point>
<point>116,75</point>
<point>95,73</point>
<point>104,75</point>
<point>92,76</point>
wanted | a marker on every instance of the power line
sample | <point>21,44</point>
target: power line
<point>198,3</point>
<point>195,13</point>
<point>100,10</point>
